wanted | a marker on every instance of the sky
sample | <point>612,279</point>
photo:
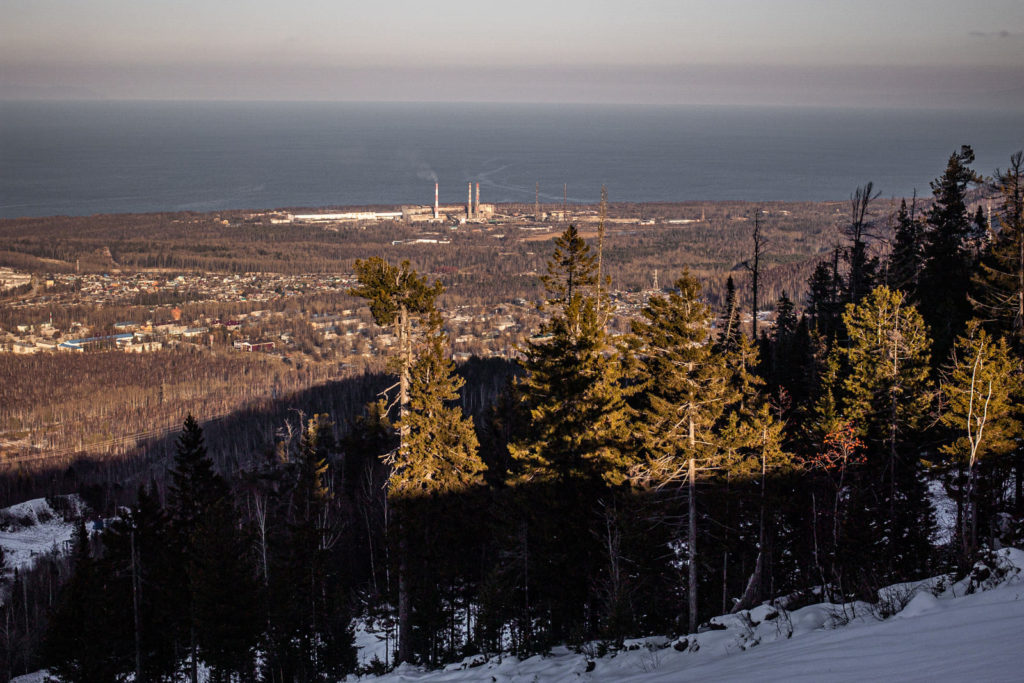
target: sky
<point>814,52</point>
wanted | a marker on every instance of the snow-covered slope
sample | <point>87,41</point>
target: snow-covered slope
<point>970,630</point>
<point>34,528</point>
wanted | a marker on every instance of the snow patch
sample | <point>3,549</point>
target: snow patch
<point>34,528</point>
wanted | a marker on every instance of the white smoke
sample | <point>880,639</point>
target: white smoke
<point>424,172</point>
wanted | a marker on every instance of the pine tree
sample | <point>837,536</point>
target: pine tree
<point>437,451</point>
<point>980,393</point>
<point>685,390</point>
<point>400,298</point>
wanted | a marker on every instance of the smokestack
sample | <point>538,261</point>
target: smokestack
<point>435,202</point>
<point>476,206</point>
<point>469,199</point>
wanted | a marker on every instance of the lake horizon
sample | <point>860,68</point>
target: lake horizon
<point>95,157</point>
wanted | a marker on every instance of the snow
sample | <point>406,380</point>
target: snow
<point>33,528</point>
<point>372,642</point>
<point>945,512</point>
<point>941,631</point>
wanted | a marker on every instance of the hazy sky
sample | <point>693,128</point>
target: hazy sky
<point>872,52</point>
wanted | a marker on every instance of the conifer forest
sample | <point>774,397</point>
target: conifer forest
<point>603,484</point>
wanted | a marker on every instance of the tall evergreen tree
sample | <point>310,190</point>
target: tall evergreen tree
<point>1000,278</point>
<point>311,636</point>
<point>948,253</point>
<point>574,450</point>
<point>210,562</point>
<point>887,396</point>
<point>572,389</point>
<point>399,298</point>
<point>824,297</point>
<point>685,391</point>
<point>730,334</point>
<point>79,646</point>
<point>138,558</point>
<point>907,259</point>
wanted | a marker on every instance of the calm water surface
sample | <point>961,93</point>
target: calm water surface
<point>103,157</point>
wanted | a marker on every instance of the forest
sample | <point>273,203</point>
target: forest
<point>606,487</point>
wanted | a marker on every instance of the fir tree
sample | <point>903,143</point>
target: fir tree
<point>824,300</point>
<point>196,502</point>
<point>311,636</point>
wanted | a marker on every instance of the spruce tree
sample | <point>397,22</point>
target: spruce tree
<point>442,452</point>
<point>728,338</point>
<point>907,259</point>
<point>824,298</point>
<point>310,633</point>
<point>197,503</point>
<point>572,392</point>
<point>887,395</point>
<point>81,645</point>
<point>1000,279</point>
<point>139,559</point>
<point>948,254</point>
<point>437,452</point>
<point>574,449</point>
<point>685,390</point>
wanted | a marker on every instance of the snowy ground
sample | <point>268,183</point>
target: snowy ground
<point>932,630</point>
<point>968,630</point>
<point>33,528</point>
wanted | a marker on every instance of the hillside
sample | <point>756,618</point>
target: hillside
<point>941,631</point>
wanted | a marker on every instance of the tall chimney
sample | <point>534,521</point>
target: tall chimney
<point>469,199</point>
<point>476,206</point>
<point>435,202</point>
